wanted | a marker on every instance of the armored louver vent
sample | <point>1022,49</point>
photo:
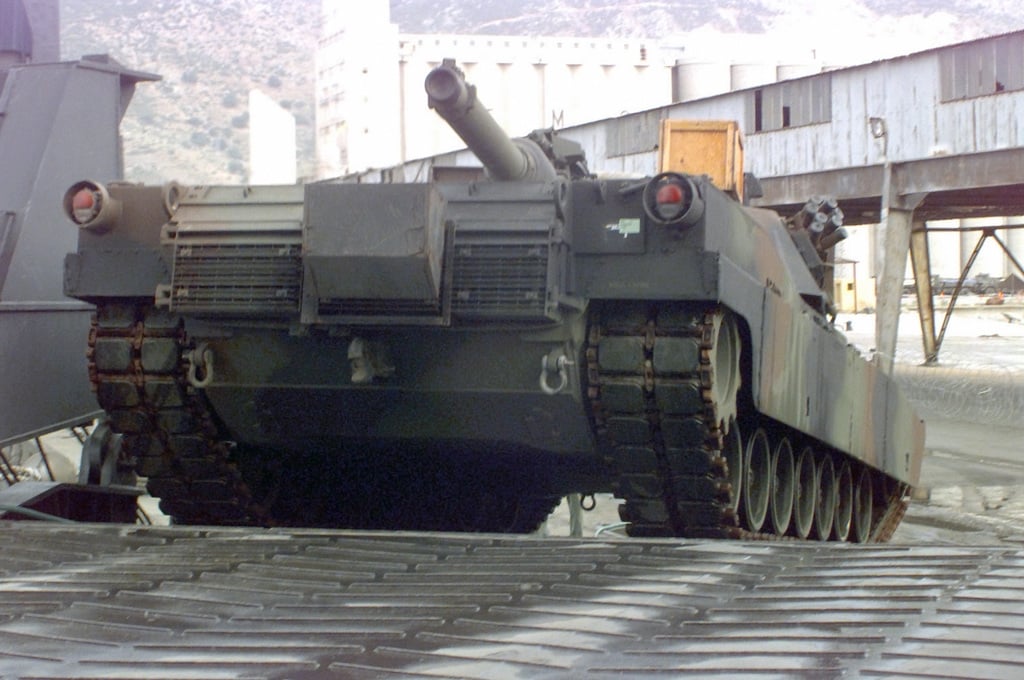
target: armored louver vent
<point>500,279</point>
<point>264,278</point>
<point>346,307</point>
<point>237,251</point>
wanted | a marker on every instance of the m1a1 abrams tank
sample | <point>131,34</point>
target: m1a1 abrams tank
<point>460,356</point>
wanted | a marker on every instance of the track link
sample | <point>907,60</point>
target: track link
<point>171,436</point>
<point>136,367</point>
<point>652,380</point>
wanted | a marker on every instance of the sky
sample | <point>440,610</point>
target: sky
<point>843,32</point>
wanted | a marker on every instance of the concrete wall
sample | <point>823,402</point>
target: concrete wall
<point>357,115</point>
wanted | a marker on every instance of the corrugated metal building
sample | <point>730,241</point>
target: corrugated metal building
<point>838,131</point>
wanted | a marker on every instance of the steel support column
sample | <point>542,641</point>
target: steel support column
<point>896,226</point>
<point>958,288</point>
<point>921,263</point>
<point>1009,254</point>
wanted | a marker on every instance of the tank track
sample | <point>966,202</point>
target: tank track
<point>651,373</point>
<point>663,444</point>
<point>171,437</point>
<point>136,367</point>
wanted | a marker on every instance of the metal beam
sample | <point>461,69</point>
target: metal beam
<point>896,226</point>
<point>1006,249</point>
<point>921,263</point>
<point>963,185</point>
<point>959,286</point>
<point>988,169</point>
<point>856,182</point>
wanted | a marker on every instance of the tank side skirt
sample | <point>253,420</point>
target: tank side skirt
<point>833,396</point>
<point>658,428</point>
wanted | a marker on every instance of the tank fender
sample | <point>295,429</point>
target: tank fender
<point>744,295</point>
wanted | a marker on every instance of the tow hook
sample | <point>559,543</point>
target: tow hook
<point>200,366</point>
<point>369,360</point>
<point>551,364</point>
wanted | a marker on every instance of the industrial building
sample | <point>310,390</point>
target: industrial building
<point>955,113</point>
<point>370,110</point>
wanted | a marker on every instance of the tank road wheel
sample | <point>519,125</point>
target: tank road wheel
<point>780,508</point>
<point>863,501</point>
<point>806,494</point>
<point>825,512</point>
<point>844,503</point>
<point>732,451</point>
<point>757,485</point>
<point>724,359</point>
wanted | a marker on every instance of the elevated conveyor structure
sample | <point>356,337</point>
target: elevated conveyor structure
<point>903,197</point>
<point>126,601</point>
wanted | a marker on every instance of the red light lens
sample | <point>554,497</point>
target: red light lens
<point>672,199</point>
<point>669,193</point>
<point>83,200</point>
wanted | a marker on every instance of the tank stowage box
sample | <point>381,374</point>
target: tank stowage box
<point>711,147</point>
<point>460,355</point>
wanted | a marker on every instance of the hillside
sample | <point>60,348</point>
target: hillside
<point>192,126</point>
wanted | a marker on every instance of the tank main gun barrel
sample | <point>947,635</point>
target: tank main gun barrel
<point>455,100</point>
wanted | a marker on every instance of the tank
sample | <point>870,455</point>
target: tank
<point>461,355</point>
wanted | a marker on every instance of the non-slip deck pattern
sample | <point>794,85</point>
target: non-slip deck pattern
<point>92,601</point>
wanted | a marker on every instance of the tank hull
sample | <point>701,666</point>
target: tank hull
<point>445,385</point>
<point>460,355</point>
<point>544,334</point>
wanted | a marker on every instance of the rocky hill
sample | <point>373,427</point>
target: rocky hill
<point>652,18</point>
<point>192,125</point>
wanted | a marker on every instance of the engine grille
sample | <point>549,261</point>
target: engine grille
<point>237,251</point>
<point>346,307</point>
<point>263,278</point>
<point>500,280</point>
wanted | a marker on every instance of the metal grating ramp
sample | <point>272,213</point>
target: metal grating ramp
<point>134,602</point>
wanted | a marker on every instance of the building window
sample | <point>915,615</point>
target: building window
<point>981,68</point>
<point>790,104</point>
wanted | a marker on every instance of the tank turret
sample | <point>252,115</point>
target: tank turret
<point>455,100</point>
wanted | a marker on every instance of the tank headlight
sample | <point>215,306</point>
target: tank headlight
<point>89,205</point>
<point>84,205</point>
<point>673,199</point>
